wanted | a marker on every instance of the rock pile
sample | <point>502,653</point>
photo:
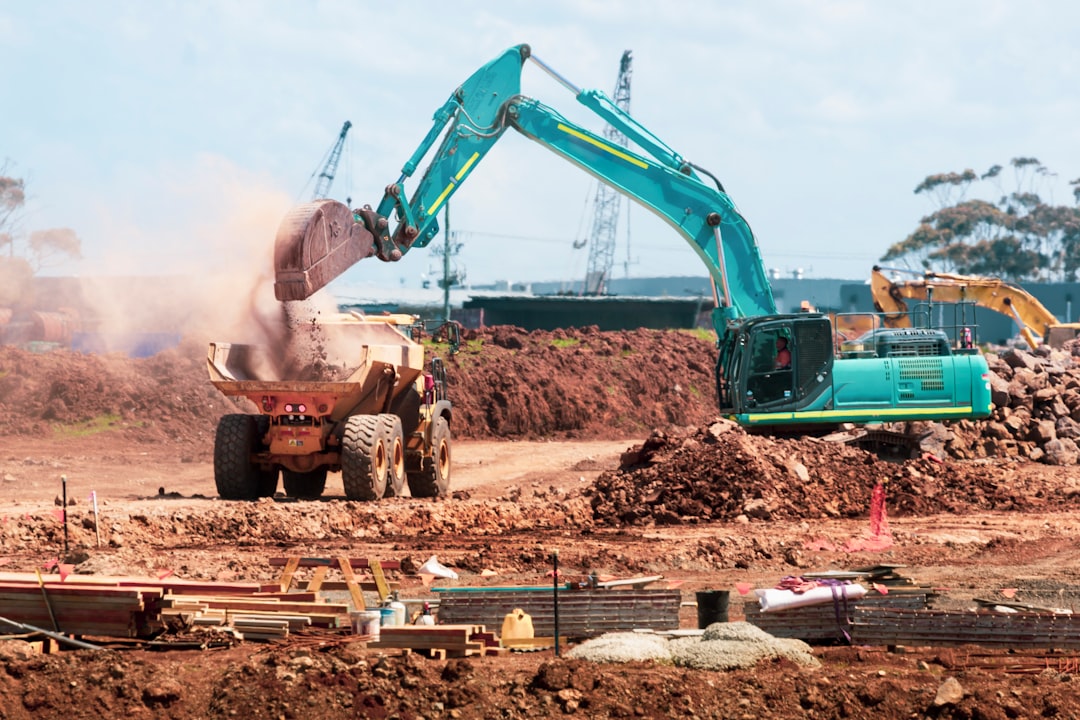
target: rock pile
<point>1036,414</point>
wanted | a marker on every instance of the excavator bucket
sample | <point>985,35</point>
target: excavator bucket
<point>316,243</point>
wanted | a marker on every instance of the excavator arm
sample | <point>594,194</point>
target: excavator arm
<point>1035,323</point>
<point>319,241</point>
<point>897,376</point>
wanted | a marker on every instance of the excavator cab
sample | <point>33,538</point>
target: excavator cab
<point>754,377</point>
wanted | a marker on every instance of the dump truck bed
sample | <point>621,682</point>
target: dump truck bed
<point>357,358</point>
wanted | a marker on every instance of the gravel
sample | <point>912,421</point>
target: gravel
<point>623,647</point>
<point>723,646</point>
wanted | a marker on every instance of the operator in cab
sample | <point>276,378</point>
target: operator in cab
<point>783,355</point>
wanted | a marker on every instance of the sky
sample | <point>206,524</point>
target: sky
<point>174,136</point>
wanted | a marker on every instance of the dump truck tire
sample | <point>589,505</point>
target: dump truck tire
<point>236,477</point>
<point>390,427</point>
<point>305,485</point>
<point>363,459</point>
<point>433,480</point>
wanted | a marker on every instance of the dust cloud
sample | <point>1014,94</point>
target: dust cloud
<point>193,263</point>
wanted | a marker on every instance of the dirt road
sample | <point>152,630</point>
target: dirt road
<point>31,469</point>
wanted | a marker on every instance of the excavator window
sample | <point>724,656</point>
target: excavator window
<point>770,380</point>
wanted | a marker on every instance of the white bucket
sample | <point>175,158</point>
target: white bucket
<point>399,612</point>
<point>366,622</point>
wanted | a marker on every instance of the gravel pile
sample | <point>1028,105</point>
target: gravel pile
<point>731,646</point>
<point>723,646</point>
<point>622,647</point>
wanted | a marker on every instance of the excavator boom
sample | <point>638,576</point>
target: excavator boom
<point>318,242</point>
<point>1035,323</point>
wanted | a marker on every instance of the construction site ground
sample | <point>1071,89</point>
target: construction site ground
<point>603,446</point>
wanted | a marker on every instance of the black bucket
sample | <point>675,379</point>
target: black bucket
<point>712,607</point>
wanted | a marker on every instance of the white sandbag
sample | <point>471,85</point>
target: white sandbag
<point>773,599</point>
<point>433,567</point>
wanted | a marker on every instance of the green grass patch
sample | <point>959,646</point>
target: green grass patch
<point>565,342</point>
<point>93,426</point>
<point>701,334</point>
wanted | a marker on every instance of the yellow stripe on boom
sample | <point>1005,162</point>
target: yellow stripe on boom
<point>450,186</point>
<point>604,146</point>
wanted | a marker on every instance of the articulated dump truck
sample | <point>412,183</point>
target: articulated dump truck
<point>365,407</point>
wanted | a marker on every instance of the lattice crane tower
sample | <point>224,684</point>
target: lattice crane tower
<point>606,202</point>
<point>329,169</point>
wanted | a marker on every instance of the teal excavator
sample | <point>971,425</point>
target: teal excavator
<point>886,375</point>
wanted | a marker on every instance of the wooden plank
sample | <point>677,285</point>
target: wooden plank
<point>317,608</point>
<point>195,587</point>
<point>317,578</point>
<point>287,574</point>
<point>321,621</point>
<point>358,563</point>
<point>295,622</point>
<point>58,589</point>
<point>239,621</point>
<point>433,631</point>
<point>354,590</point>
<point>295,596</point>
<point>638,582</point>
<point>150,584</point>
<point>380,579</point>
<point>209,620</point>
<point>276,598</point>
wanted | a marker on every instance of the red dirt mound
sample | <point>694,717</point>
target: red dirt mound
<point>506,382</point>
<point>719,473</point>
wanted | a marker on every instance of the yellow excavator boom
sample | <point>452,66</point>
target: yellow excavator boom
<point>1036,324</point>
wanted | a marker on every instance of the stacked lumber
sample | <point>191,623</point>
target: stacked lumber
<point>77,609</point>
<point>259,616</point>
<point>126,607</point>
<point>439,641</point>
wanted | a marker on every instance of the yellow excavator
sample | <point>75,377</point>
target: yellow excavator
<point>1036,324</point>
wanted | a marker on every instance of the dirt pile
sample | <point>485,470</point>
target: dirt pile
<point>164,398</point>
<point>506,382</point>
<point>721,473</point>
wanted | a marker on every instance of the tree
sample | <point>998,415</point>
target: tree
<point>1018,238</point>
<point>23,255</point>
